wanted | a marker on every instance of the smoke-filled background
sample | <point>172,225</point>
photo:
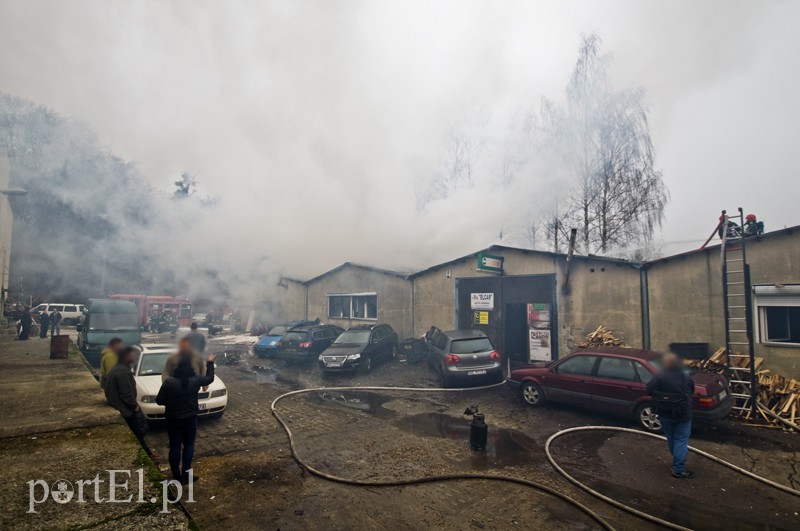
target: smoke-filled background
<point>397,134</point>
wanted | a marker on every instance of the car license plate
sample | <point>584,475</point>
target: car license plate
<point>202,406</point>
<point>334,364</point>
<point>475,373</point>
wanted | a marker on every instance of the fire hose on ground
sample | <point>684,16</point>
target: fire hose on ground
<point>508,479</point>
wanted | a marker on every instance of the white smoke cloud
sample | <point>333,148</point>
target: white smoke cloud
<point>314,123</point>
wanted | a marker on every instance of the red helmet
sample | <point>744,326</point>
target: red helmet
<point>750,217</point>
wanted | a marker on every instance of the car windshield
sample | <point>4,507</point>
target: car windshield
<point>277,330</point>
<point>153,364</point>
<point>471,346</point>
<point>113,321</point>
<point>295,336</point>
<point>353,337</point>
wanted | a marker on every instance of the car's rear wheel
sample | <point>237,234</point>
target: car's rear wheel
<point>647,418</point>
<point>532,394</point>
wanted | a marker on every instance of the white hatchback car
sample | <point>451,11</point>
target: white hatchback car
<point>148,371</point>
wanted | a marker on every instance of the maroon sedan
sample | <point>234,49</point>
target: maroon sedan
<point>613,380</point>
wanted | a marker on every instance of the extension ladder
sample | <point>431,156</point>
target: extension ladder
<point>738,303</point>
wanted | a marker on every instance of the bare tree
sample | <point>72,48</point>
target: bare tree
<point>603,134</point>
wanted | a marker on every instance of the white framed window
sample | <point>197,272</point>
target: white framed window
<point>362,306</point>
<point>778,314</point>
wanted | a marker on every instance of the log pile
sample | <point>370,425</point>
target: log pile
<point>602,337</point>
<point>778,396</point>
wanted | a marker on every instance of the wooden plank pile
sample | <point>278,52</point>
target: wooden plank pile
<point>778,394</point>
<point>602,337</point>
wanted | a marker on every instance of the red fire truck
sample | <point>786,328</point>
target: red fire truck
<point>157,304</point>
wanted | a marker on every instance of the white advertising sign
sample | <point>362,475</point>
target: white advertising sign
<point>482,301</point>
<point>540,345</point>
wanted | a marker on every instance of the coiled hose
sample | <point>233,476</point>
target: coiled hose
<point>509,479</point>
<point>628,508</point>
<point>426,479</point>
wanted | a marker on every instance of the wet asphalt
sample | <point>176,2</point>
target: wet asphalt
<point>365,434</point>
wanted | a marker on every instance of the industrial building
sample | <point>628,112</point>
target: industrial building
<point>538,305</point>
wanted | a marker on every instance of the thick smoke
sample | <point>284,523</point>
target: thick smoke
<point>315,127</point>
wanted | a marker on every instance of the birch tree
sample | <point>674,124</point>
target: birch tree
<point>618,195</point>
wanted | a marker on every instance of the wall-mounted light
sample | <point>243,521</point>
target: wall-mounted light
<point>448,273</point>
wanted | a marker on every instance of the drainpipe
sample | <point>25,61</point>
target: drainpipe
<point>645,303</point>
<point>572,235</point>
<point>413,327</point>
<point>305,302</point>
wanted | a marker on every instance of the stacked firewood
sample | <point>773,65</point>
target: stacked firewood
<point>778,396</point>
<point>602,337</point>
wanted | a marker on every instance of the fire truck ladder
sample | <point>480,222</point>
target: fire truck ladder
<point>738,302</point>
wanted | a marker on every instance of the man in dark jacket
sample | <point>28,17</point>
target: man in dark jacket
<point>671,391</point>
<point>25,322</point>
<point>120,389</point>
<point>178,395</point>
<point>44,324</point>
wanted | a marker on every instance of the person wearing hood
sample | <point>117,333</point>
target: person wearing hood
<point>671,391</point>
<point>25,322</point>
<point>178,395</point>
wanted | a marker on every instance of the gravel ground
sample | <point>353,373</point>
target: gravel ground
<point>249,479</point>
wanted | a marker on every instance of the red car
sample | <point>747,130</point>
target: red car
<point>613,380</point>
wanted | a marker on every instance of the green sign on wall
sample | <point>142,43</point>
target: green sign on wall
<point>490,263</point>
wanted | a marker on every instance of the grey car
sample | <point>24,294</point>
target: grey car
<point>464,356</point>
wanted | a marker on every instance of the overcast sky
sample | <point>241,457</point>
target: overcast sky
<point>322,117</point>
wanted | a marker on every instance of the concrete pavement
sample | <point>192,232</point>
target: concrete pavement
<point>58,430</point>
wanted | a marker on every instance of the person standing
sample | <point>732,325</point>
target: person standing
<point>120,389</point>
<point>178,395</point>
<point>44,324</point>
<point>109,358</point>
<point>185,351</point>
<point>25,322</point>
<point>671,391</point>
<point>197,339</point>
<point>55,323</point>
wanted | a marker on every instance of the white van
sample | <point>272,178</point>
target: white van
<point>70,313</point>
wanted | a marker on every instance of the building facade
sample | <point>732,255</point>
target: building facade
<point>541,305</point>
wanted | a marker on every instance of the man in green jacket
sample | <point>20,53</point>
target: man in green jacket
<point>120,388</point>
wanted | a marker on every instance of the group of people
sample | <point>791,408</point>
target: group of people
<point>48,322</point>
<point>51,321</point>
<point>184,374</point>
<point>751,227</point>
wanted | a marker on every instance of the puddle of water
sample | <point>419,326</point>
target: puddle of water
<point>367,402</point>
<point>505,447</point>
